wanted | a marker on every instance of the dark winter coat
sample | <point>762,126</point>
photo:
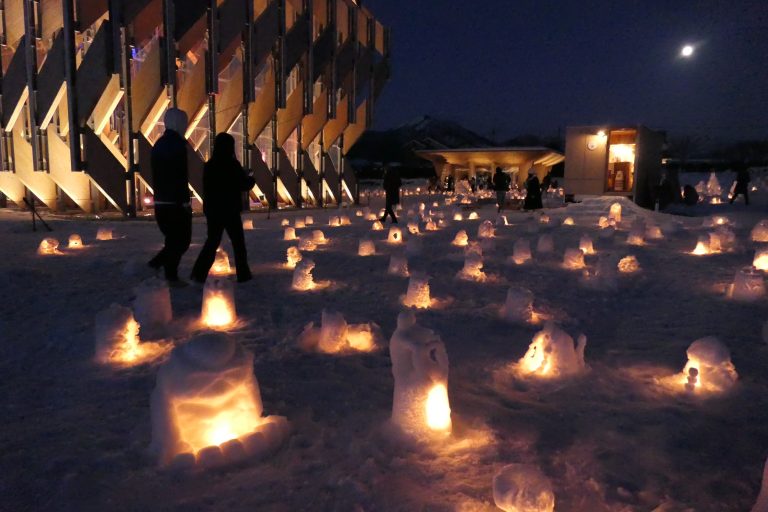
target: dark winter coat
<point>742,181</point>
<point>532,194</point>
<point>392,184</point>
<point>500,182</point>
<point>169,169</point>
<point>224,182</point>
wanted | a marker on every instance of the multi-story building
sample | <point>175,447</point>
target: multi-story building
<point>85,85</point>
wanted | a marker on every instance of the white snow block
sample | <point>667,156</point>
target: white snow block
<point>420,405</point>
<point>545,244</point>
<point>302,275</point>
<point>523,488</point>
<point>553,354</point>
<point>485,229</point>
<point>335,335</point>
<point>398,265</point>
<point>152,305</point>
<point>417,295</point>
<point>104,234</point>
<point>573,259</point>
<point>218,310</point>
<point>206,397</point>
<point>366,247</point>
<point>289,234</point>
<point>521,251</point>
<point>759,233</point>
<point>748,285</point>
<point>461,239</point>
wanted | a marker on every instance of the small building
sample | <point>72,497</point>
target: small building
<point>619,160</point>
<point>471,162</point>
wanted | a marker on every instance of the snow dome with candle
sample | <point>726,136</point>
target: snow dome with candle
<point>335,335</point>
<point>553,354</point>
<point>206,407</point>
<point>117,339</point>
<point>420,405</point>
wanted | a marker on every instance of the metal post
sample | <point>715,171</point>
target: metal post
<point>70,75</point>
<point>125,78</point>
<point>169,50</point>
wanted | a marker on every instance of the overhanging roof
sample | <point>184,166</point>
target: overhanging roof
<point>509,156</point>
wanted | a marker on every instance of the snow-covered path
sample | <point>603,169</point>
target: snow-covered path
<point>75,434</point>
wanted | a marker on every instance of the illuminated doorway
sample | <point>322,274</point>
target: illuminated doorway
<point>621,160</point>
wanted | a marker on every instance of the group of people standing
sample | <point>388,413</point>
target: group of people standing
<point>224,181</point>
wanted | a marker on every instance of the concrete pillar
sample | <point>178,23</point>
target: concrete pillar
<point>472,172</point>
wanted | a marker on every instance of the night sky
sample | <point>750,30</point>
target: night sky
<point>509,67</point>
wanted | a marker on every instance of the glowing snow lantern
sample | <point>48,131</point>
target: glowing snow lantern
<point>220,265</point>
<point>544,219</point>
<point>206,406</point>
<point>502,220</point>
<point>473,268</point>
<point>485,230</point>
<point>760,232</point>
<point>319,237</point>
<point>395,235</point>
<point>431,226</point>
<point>523,488</point>
<point>568,221</point>
<point>760,261</point>
<point>702,246</point>
<point>473,216</point>
<point>377,226</point>
<point>48,246</point>
<point>715,243</point>
<point>247,224</point>
<point>285,222</point>
<point>420,405</point>
<point>289,233</point>
<point>335,335</point>
<point>293,256</point>
<point>552,354</point>
<point>307,244</point>
<point>518,306</point>
<point>370,217</point>
<point>334,220</point>
<point>585,245</point>
<point>358,213</point>
<point>152,305</point>
<point>635,237</point>
<point>398,265</point>
<point>218,304</point>
<point>309,220</point>
<point>299,223</point>
<point>614,213</point>
<point>104,234</point>
<point>603,222</point>
<point>628,264</point>
<point>709,367</point>
<point>344,220</point>
<point>413,228</point>
<point>653,232</point>
<point>75,242</point>
<point>417,295</point>
<point>366,247</point>
<point>458,216</point>
<point>521,251</point>
<point>748,285</point>
<point>117,338</point>
<point>461,239</point>
<point>573,259</point>
<point>545,244</point>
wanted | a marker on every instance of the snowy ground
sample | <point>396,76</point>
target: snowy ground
<point>75,434</point>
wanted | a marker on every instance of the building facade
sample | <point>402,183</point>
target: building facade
<point>621,160</point>
<point>85,85</point>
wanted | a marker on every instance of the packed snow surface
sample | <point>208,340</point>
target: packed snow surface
<point>76,434</point>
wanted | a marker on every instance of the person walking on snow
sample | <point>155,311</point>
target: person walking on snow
<point>173,212</point>
<point>742,183</point>
<point>532,192</point>
<point>392,184</point>
<point>500,185</point>
<point>224,182</point>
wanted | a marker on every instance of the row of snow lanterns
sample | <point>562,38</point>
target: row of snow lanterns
<point>50,245</point>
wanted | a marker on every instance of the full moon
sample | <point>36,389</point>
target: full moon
<point>687,51</point>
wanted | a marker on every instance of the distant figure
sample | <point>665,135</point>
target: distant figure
<point>690,196</point>
<point>432,183</point>
<point>473,184</point>
<point>546,182</point>
<point>532,192</point>
<point>500,185</point>
<point>742,183</point>
<point>172,200</point>
<point>666,192</point>
<point>224,182</point>
<point>392,186</point>
<point>450,184</point>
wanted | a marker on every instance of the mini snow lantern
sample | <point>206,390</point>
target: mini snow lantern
<point>75,242</point>
<point>573,259</point>
<point>585,244</point>
<point>220,265</point>
<point>709,368</point>
<point>117,338</point>
<point>461,239</point>
<point>628,264</point>
<point>247,224</point>
<point>568,221</point>
<point>760,261</point>
<point>366,247</point>
<point>523,488</point>
<point>521,251</point>
<point>552,354</point>
<point>545,244</point>
<point>293,256</point>
<point>377,226</point>
<point>748,285</point>
<point>614,213</point>
<point>417,295</point>
<point>420,405</point>
<point>206,407</point>
<point>289,233</point>
<point>395,235</point>
<point>302,276</point>
<point>48,246</point>
<point>104,234</point>
<point>473,268</point>
<point>398,265</point>
<point>218,310</point>
<point>518,306</point>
